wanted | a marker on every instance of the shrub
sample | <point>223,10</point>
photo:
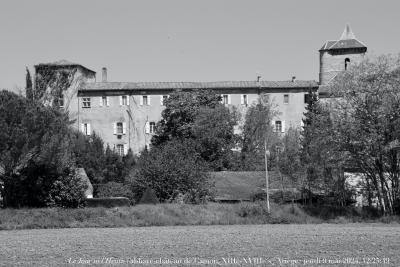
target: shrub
<point>174,167</point>
<point>149,197</point>
<point>68,191</point>
<point>107,202</point>
<point>113,189</point>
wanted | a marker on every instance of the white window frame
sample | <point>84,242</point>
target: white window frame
<point>120,149</point>
<point>86,128</point>
<point>142,102</point>
<point>152,127</point>
<point>286,97</point>
<point>162,101</point>
<point>86,102</point>
<point>244,99</point>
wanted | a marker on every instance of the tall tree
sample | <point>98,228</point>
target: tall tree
<point>257,132</point>
<point>366,113</point>
<point>28,88</point>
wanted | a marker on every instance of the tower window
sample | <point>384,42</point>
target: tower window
<point>346,63</point>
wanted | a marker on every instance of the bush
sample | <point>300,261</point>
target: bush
<point>68,191</point>
<point>113,189</point>
<point>174,167</point>
<point>107,202</point>
<point>149,197</point>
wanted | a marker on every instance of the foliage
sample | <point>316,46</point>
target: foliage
<point>29,88</point>
<point>199,116</point>
<point>68,191</point>
<point>172,168</point>
<point>107,202</point>
<point>51,83</point>
<point>257,135</point>
<point>34,150</point>
<point>366,115</point>
<point>321,154</point>
<point>149,197</point>
<point>113,189</point>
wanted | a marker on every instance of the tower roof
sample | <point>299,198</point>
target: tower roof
<point>347,40</point>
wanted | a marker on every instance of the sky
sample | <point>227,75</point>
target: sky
<point>187,40</point>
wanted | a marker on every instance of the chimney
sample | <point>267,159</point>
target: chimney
<point>258,78</point>
<point>104,75</point>
<point>293,79</point>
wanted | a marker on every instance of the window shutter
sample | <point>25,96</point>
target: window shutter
<point>273,125</point>
<point>127,100</point>
<point>222,99</point>
<point>108,101</point>
<point>89,130</point>
<point>101,101</point>
<point>82,127</point>
<point>120,100</point>
<point>229,99</point>
<point>148,100</point>
<point>161,100</point>
<point>242,99</point>
<point>141,100</point>
<point>147,127</point>
<point>115,127</point>
<point>283,126</point>
<point>124,127</point>
<point>125,149</point>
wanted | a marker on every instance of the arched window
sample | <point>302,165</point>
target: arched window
<point>346,63</point>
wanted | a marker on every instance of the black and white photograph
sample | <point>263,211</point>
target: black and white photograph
<point>199,133</point>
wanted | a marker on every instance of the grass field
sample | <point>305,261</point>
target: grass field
<point>278,245</point>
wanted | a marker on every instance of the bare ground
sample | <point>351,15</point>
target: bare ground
<point>265,245</point>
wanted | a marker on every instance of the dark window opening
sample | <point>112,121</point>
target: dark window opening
<point>346,63</point>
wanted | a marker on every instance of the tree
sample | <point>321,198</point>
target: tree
<point>199,116</point>
<point>171,169</point>
<point>366,114</point>
<point>321,154</point>
<point>257,134</point>
<point>29,89</point>
<point>34,150</point>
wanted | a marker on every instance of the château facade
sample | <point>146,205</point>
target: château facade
<point>124,114</point>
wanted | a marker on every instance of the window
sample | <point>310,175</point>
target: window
<point>145,100</point>
<point>86,129</point>
<point>244,100</point>
<point>286,99</point>
<point>346,63</point>
<point>225,99</point>
<point>278,126</point>
<point>86,102</point>
<point>163,99</point>
<point>119,128</point>
<point>124,100</point>
<point>307,98</point>
<point>104,101</point>
<point>152,127</point>
<point>61,101</point>
<point>120,149</point>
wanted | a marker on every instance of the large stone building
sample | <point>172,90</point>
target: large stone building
<point>124,114</point>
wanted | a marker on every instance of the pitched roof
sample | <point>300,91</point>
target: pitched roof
<point>103,86</point>
<point>347,40</point>
<point>63,62</point>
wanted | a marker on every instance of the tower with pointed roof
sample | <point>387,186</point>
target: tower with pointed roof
<point>336,56</point>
